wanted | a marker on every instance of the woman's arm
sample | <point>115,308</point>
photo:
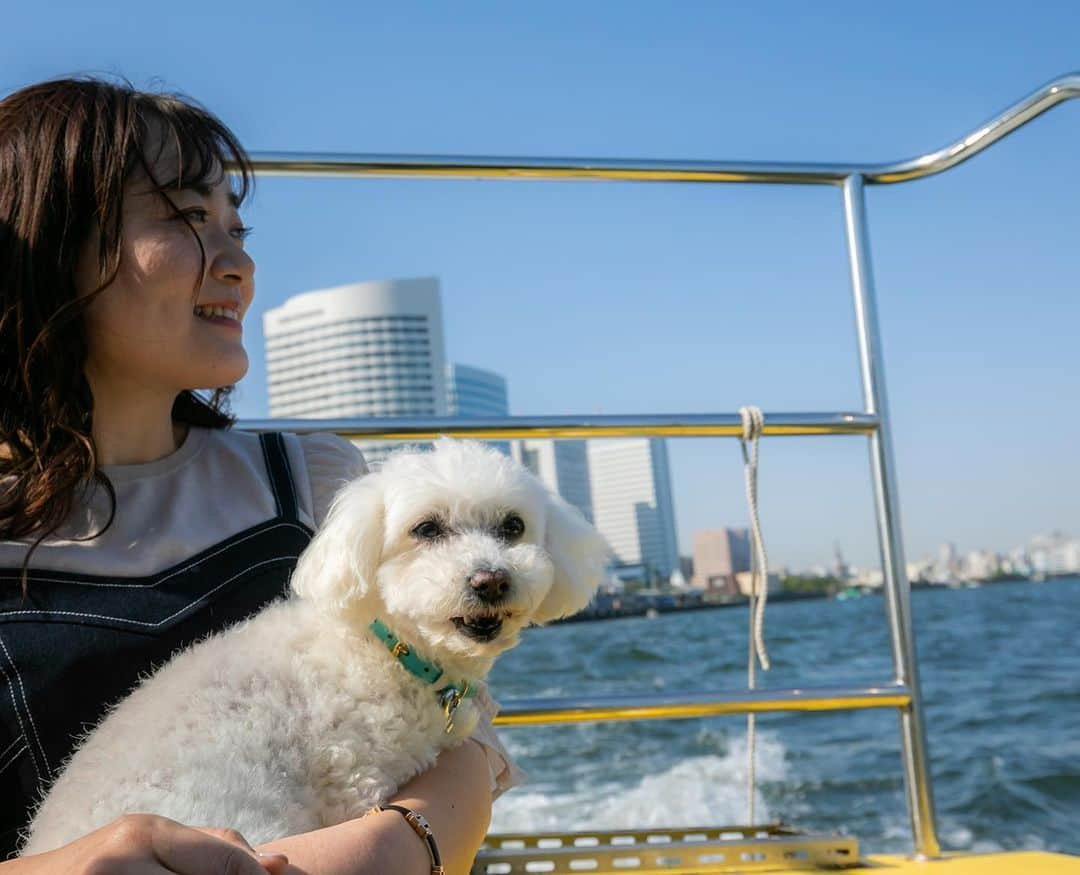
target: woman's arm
<point>455,797</point>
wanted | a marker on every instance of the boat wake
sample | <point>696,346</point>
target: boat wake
<point>696,791</point>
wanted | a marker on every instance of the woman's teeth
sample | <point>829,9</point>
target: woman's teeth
<point>207,312</point>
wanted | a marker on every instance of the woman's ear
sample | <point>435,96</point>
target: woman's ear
<point>338,568</point>
<point>579,554</point>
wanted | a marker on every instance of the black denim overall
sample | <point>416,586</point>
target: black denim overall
<point>77,643</point>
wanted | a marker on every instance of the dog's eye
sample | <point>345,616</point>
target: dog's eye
<point>428,530</point>
<point>512,528</point>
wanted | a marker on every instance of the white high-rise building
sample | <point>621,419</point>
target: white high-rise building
<point>631,501</point>
<point>363,349</point>
<point>477,392</point>
<point>562,466</point>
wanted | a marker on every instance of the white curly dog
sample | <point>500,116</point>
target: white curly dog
<point>321,705</point>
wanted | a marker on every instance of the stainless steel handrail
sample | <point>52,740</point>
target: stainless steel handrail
<point>680,425</point>
<point>1020,113</point>
<point>904,694</point>
<point>917,783</point>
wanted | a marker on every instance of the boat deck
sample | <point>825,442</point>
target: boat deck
<point>773,848</point>
<point>1018,863</point>
<point>1014,863</point>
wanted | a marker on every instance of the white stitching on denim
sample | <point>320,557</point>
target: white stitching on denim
<point>5,751</point>
<point>205,595</point>
<point>18,716</point>
<point>26,704</point>
<point>15,756</point>
<point>173,573</point>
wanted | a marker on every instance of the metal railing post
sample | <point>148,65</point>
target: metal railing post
<point>887,511</point>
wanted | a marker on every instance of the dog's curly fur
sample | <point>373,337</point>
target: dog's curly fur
<point>299,717</point>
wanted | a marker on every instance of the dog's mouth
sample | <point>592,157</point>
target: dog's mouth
<point>480,627</point>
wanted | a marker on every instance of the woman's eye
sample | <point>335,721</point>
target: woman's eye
<point>428,530</point>
<point>242,233</point>
<point>196,214</point>
<point>512,528</point>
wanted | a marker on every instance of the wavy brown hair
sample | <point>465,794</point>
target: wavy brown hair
<point>67,150</point>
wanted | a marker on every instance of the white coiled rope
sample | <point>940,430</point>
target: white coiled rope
<point>753,424</point>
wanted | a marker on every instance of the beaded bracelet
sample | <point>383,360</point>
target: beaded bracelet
<point>419,825</point>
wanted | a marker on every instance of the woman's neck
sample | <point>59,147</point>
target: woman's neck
<point>133,425</point>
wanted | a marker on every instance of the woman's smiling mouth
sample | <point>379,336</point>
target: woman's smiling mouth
<point>219,315</point>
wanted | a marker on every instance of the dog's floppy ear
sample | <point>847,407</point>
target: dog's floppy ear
<point>337,570</point>
<point>579,554</point>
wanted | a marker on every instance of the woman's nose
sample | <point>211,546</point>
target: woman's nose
<point>232,265</point>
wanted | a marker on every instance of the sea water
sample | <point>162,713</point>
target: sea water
<point>1000,671</point>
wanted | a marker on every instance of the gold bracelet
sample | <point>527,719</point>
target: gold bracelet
<point>419,825</point>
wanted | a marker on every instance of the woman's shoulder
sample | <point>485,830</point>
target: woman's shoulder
<point>322,463</point>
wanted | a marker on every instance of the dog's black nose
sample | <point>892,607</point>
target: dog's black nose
<point>490,585</point>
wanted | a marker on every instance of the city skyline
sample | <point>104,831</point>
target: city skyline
<point>646,298</point>
<point>484,392</point>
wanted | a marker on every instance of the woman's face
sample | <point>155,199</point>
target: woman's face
<point>166,323</point>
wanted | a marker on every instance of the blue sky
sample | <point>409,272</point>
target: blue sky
<point>626,298</point>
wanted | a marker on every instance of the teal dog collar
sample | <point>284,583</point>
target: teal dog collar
<point>449,696</point>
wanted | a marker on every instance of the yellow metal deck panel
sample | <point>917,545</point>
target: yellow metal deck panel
<point>1018,863</point>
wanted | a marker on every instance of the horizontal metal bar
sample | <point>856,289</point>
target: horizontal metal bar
<point>676,425</point>
<point>339,165</point>
<point>520,167</point>
<point>672,706</point>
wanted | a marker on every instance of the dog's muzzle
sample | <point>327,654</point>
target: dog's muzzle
<point>488,588</point>
<point>480,627</point>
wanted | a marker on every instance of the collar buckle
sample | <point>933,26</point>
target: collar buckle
<point>450,699</point>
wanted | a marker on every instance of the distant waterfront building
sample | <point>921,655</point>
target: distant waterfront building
<point>980,565</point>
<point>475,392</point>
<point>948,564</point>
<point>719,555</point>
<point>632,507</point>
<point>563,466</point>
<point>1055,553</point>
<point>358,350</point>
<point>744,583</point>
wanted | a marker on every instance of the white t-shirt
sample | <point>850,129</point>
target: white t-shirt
<point>214,486</point>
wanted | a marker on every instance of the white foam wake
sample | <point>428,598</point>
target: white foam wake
<point>697,791</point>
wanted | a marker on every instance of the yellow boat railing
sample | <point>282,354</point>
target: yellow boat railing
<point>902,691</point>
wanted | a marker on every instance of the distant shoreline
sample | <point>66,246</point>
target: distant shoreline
<point>616,606</point>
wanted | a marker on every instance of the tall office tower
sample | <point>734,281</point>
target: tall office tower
<point>475,392</point>
<point>720,554</point>
<point>363,349</point>
<point>562,466</point>
<point>631,500</point>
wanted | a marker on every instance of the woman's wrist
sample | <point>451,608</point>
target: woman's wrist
<point>408,852</point>
<point>376,844</point>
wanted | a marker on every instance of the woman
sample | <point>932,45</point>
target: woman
<point>132,521</point>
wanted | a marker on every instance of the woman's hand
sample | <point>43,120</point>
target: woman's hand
<point>145,844</point>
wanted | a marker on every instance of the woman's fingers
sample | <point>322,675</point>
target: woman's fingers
<point>146,844</point>
<point>185,850</point>
<point>275,864</point>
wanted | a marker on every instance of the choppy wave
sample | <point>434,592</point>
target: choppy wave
<point>697,791</point>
